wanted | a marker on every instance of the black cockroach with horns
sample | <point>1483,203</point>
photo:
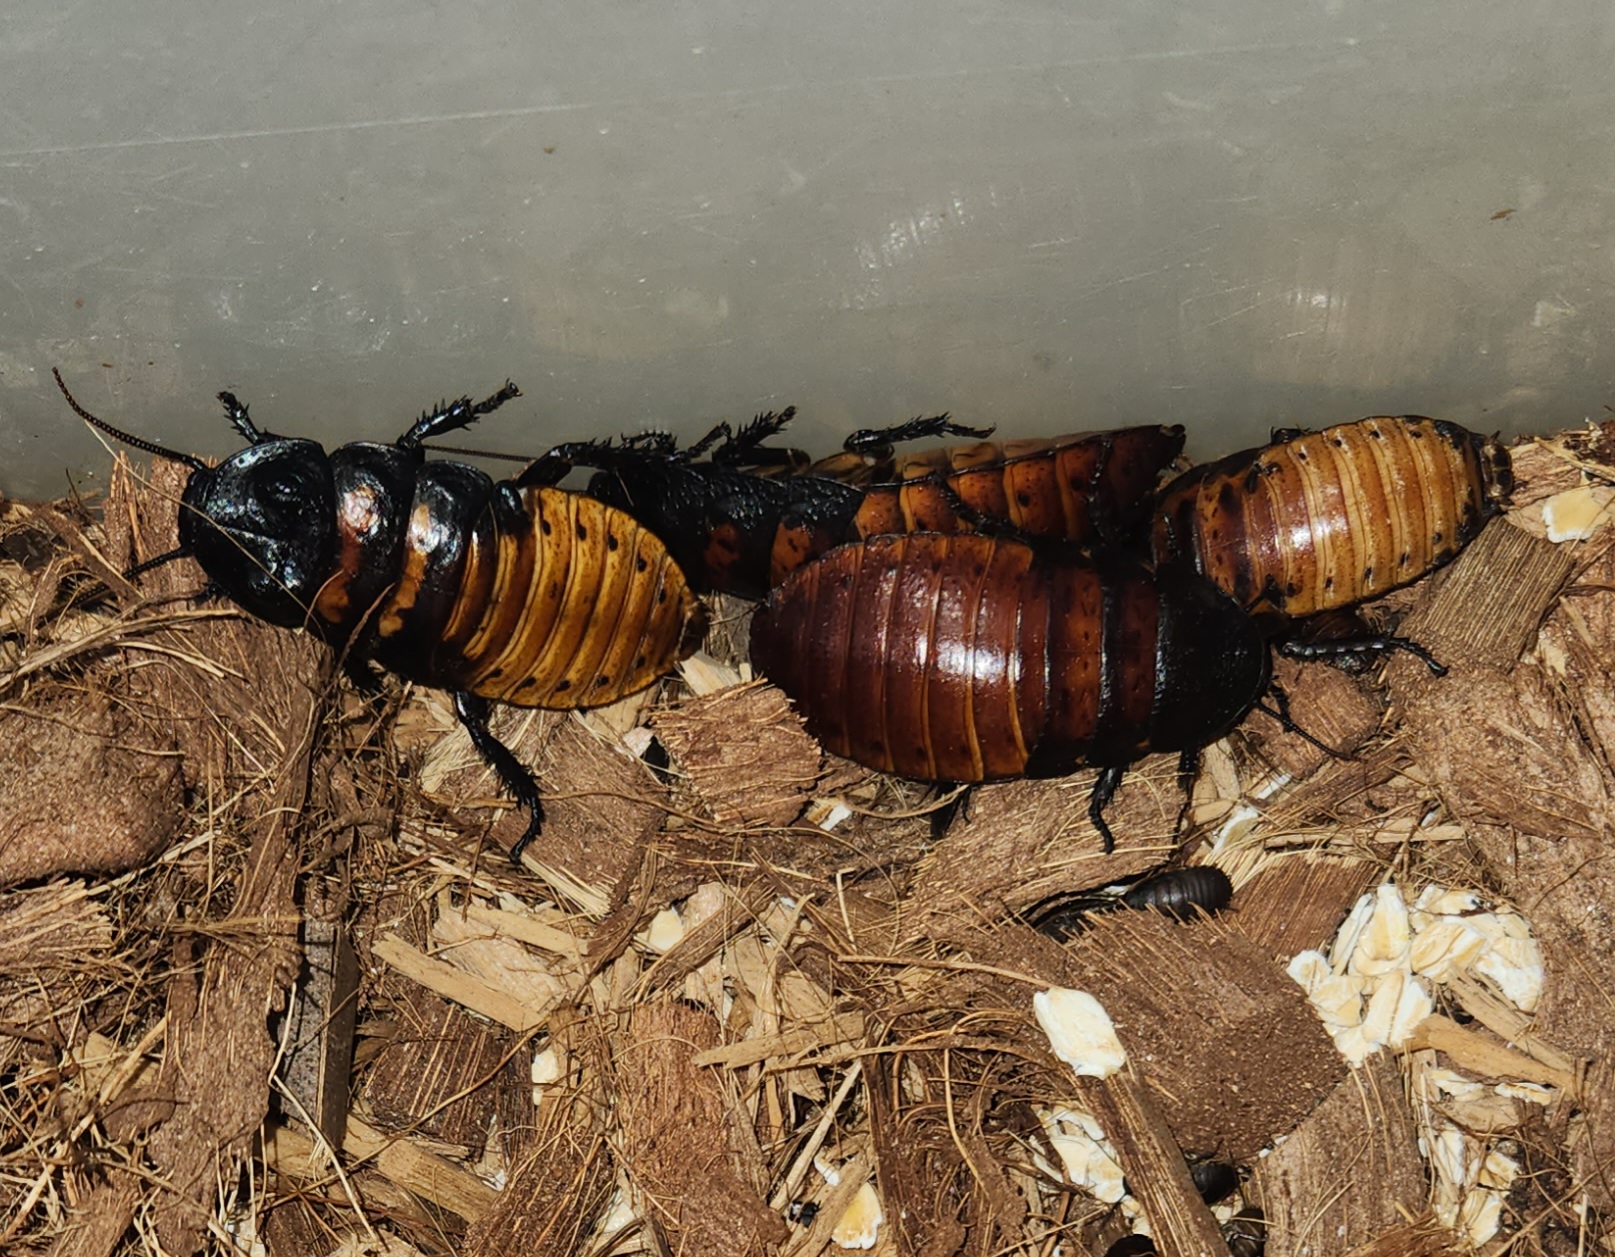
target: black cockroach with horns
<point>513,591</point>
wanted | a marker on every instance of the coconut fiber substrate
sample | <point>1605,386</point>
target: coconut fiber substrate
<point>271,984</point>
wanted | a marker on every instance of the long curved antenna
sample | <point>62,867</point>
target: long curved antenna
<point>151,447</point>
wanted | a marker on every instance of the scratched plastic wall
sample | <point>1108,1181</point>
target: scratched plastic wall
<point>1046,214</point>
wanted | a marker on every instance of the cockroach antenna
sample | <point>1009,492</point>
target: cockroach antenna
<point>150,447</point>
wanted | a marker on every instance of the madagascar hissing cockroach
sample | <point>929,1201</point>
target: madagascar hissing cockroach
<point>1322,520</point>
<point>1183,893</point>
<point>1214,1180</point>
<point>1179,893</point>
<point>741,515</point>
<point>513,590</point>
<point>1246,1233</point>
<point>965,658</point>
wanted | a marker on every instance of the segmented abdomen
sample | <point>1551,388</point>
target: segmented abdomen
<point>563,603</point>
<point>968,658</point>
<point>904,653</point>
<point>1082,488</point>
<point>1336,517</point>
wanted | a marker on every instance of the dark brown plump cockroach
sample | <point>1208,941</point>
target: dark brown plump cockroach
<point>1322,520</point>
<point>966,658</point>
<point>511,591</point>
<point>741,515</point>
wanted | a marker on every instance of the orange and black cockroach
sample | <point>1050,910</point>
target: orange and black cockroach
<point>1318,521</point>
<point>510,591</point>
<point>969,658</point>
<point>741,515</point>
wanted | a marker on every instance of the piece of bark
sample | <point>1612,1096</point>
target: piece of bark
<point>1348,1174</point>
<point>671,1117</point>
<point>1156,1172</point>
<point>430,1077</point>
<point>219,1054</point>
<point>744,753</point>
<point>1021,842</point>
<point>324,1012</point>
<point>1492,599</point>
<point>1208,1016</point>
<point>600,804</point>
<point>921,1174</point>
<point>98,1224</point>
<point>1338,710</point>
<point>1298,902</point>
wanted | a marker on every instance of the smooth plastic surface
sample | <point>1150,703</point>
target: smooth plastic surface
<point>1047,215</point>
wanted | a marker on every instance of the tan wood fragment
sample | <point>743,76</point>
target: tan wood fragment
<point>1477,1053</point>
<point>520,926</point>
<point>1347,1174</point>
<point>454,984</point>
<point>401,1159</point>
<point>1508,1022</point>
<point>423,1172</point>
<point>785,1044</point>
<point>1157,1174</point>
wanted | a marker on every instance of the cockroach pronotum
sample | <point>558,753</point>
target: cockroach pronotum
<point>736,527</point>
<point>1322,520</point>
<point>966,658</point>
<point>512,591</point>
<point>1179,893</point>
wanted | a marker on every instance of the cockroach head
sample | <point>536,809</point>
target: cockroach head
<point>262,525</point>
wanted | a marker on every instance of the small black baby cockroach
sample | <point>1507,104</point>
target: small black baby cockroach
<point>1179,893</point>
<point>1246,1233</point>
<point>1214,1180</point>
<point>1182,893</point>
<point>1132,1246</point>
<point>512,591</point>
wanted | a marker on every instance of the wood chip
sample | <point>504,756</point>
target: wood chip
<point>745,755</point>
